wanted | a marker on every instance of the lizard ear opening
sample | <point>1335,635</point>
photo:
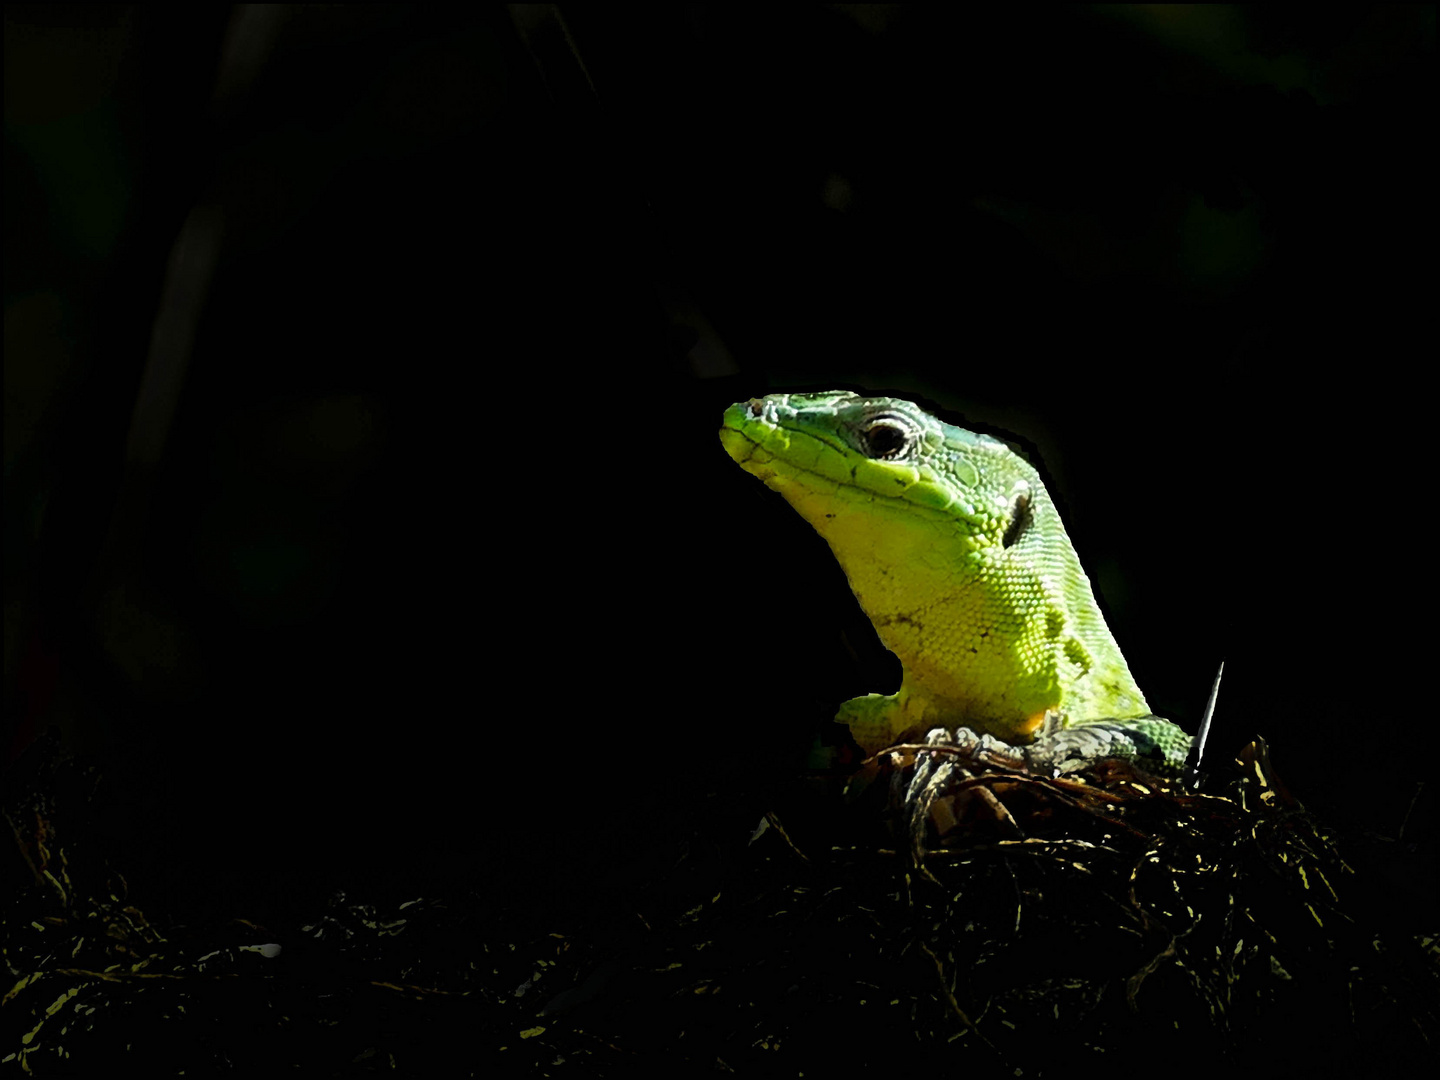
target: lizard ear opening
<point>1020,518</point>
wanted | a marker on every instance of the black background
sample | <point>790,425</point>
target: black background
<point>442,570</point>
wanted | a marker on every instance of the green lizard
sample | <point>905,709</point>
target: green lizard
<point>957,555</point>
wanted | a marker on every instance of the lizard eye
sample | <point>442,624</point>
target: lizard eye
<point>1020,518</point>
<point>884,438</point>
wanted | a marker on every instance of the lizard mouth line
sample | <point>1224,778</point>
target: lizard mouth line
<point>839,448</point>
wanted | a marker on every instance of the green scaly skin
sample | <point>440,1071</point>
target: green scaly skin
<point>957,555</point>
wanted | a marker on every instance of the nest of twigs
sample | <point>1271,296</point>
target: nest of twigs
<point>957,911</point>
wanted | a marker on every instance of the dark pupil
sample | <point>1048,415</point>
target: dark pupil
<point>886,440</point>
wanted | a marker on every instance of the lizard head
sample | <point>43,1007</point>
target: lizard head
<point>873,473</point>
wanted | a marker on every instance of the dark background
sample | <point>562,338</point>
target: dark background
<point>418,558</point>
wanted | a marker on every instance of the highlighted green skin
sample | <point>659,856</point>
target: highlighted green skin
<point>957,555</point>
